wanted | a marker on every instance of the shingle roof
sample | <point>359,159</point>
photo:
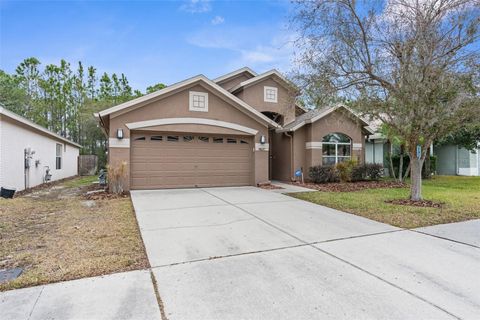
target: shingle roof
<point>304,117</point>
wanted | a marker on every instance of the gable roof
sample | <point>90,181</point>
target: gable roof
<point>317,114</point>
<point>201,79</point>
<point>235,73</point>
<point>287,83</point>
<point>34,126</point>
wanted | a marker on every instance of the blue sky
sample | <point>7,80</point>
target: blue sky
<point>149,41</point>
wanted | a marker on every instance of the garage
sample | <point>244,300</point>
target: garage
<point>183,160</point>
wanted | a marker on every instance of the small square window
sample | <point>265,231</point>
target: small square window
<point>187,138</point>
<point>198,101</point>
<point>156,138</point>
<point>217,140</point>
<point>270,94</point>
<point>172,138</point>
<point>204,139</point>
<point>231,140</point>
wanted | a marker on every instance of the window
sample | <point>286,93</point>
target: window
<point>336,147</point>
<point>187,138</point>
<point>243,142</point>
<point>156,138</point>
<point>172,138</point>
<point>217,140</point>
<point>270,94</point>
<point>198,101</point>
<point>140,139</point>
<point>231,140</point>
<point>203,139</point>
<point>58,158</point>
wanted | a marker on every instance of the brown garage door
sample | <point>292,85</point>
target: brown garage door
<point>173,160</point>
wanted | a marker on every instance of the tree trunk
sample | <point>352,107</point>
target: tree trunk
<point>416,175</point>
<point>391,162</point>
<point>400,168</point>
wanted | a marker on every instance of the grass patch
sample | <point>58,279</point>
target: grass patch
<point>65,237</point>
<point>80,181</point>
<point>460,197</point>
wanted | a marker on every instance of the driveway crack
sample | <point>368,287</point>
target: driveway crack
<point>200,225</point>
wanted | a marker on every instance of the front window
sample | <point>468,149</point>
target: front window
<point>336,147</point>
<point>58,158</point>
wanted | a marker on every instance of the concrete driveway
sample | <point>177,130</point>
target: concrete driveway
<point>248,253</point>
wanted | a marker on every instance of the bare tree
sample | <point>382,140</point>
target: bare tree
<point>413,64</point>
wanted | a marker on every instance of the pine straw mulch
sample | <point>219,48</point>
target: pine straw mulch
<point>350,186</point>
<point>268,186</point>
<point>420,203</point>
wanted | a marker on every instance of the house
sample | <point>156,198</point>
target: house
<point>451,159</point>
<point>28,151</point>
<point>242,128</point>
<point>454,160</point>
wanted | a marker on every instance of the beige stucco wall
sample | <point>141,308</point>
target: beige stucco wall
<point>254,96</point>
<point>177,105</point>
<point>229,83</point>
<point>338,121</point>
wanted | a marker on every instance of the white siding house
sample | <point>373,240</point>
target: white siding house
<point>47,151</point>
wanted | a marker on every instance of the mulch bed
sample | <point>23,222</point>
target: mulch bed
<point>268,186</point>
<point>421,203</point>
<point>104,195</point>
<point>350,186</point>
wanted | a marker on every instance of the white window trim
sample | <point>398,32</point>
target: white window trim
<point>336,156</point>
<point>202,94</point>
<point>265,94</point>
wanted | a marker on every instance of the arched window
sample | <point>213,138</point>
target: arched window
<point>336,147</point>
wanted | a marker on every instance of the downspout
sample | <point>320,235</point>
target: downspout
<point>291,154</point>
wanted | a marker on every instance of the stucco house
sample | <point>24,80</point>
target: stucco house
<point>242,128</point>
<point>28,150</point>
<point>451,159</point>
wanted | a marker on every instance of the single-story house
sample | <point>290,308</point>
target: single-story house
<point>241,128</point>
<point>451,159</point>
<point>30,153</point>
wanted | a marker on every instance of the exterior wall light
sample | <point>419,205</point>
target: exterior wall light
<point>120,134</point>
<point>263,140</point>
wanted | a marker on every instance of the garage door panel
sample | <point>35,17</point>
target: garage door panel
<point>166,164</point>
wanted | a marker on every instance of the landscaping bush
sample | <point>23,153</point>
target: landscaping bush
<point>373,171</point>
<point>345,170</point>
<point>323,174</point>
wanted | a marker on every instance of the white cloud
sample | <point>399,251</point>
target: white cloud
<point>196,6</point>
<point>218,20</point>
<point>257,47</point>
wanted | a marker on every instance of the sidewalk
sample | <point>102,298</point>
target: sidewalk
<point>127,295</point>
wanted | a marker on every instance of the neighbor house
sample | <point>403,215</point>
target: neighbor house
<point>31,154</point>
<point>450,159</point>
<point>242,128</point>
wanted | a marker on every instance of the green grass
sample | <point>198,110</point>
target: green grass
<point>460,195</point>
<point>80,181</point>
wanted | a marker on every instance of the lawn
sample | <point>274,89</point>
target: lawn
<point>460,197</point>
<point>54,234</point>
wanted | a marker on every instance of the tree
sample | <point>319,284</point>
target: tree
<point>411,64</point>
<point>467,137</point>
<point>155,87</point>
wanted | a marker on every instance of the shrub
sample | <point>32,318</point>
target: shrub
<point>359,173</point>
<point>117,177</point>
<point>373,171</point>
<point>323,174</point>
<point>345,170</point>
